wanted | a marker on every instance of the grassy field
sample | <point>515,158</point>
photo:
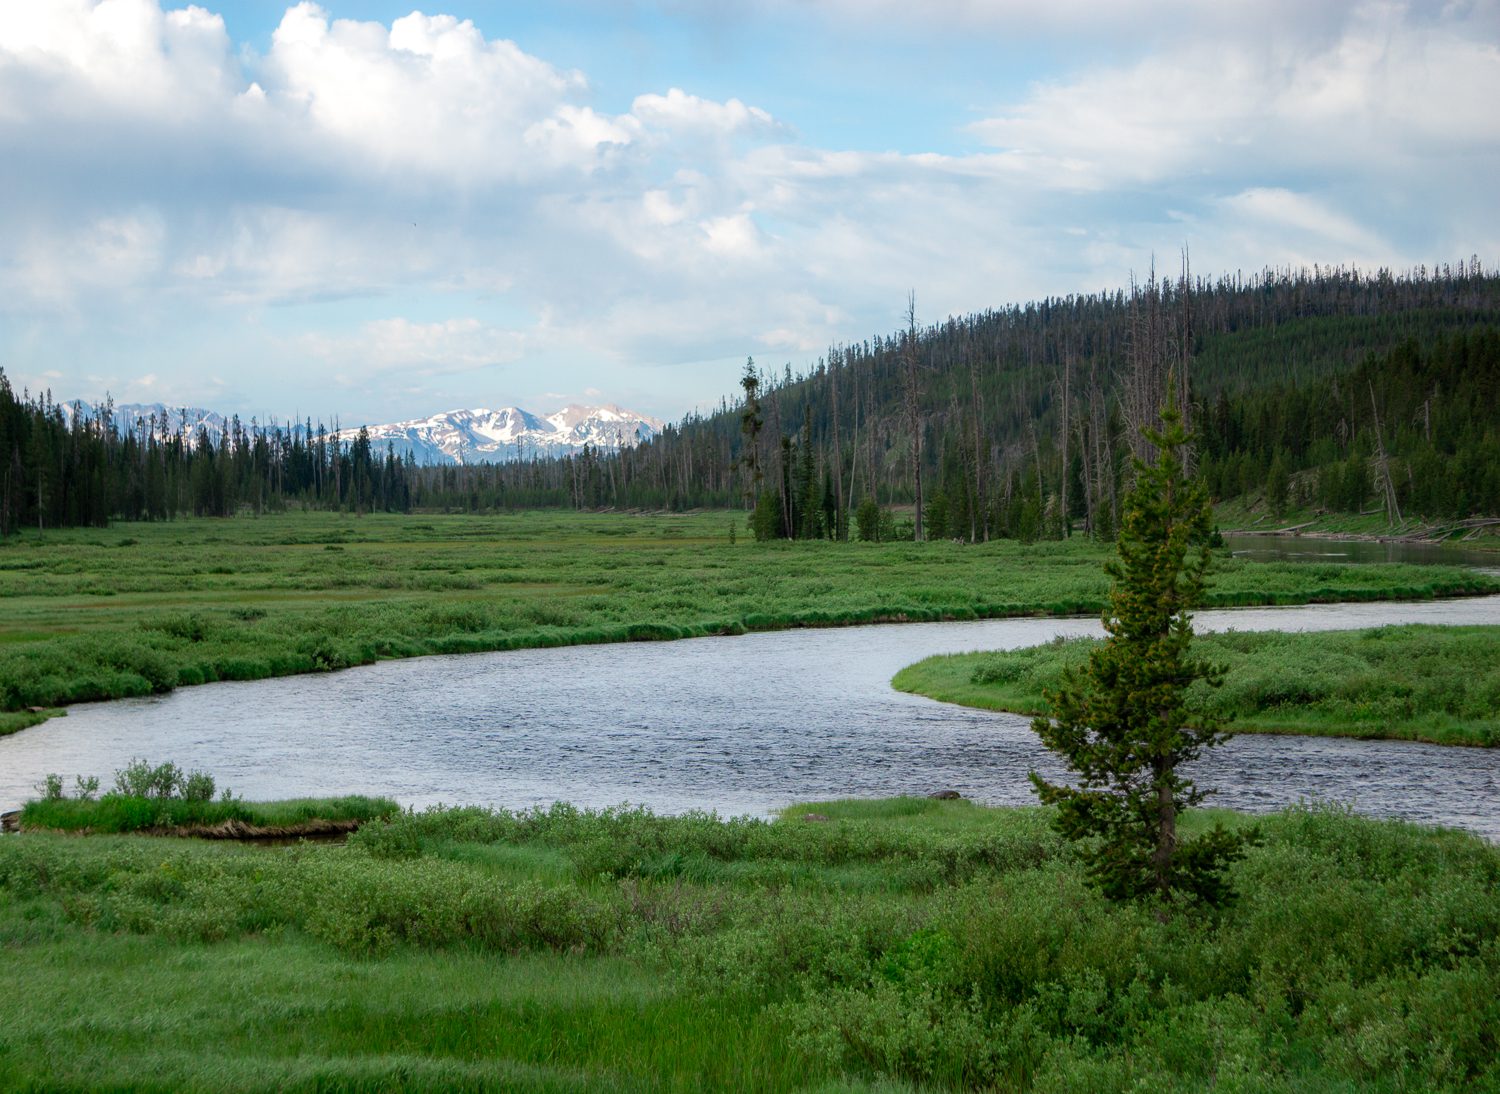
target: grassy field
<point>140,608</point>
<point>1421,683</point>
<point>891,946</point>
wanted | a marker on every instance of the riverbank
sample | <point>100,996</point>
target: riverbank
<point>894,942</point>
<point>1421,683</point>
<point>146,608</point>
<point>1255,519</point>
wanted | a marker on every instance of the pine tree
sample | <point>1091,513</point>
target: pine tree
<point>1126,724</point>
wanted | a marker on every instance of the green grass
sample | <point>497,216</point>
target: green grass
<point>142,608</point>
<point>896,945</point>
<point>117,813</point>
<point>1422,683</point>
<point>14,721</point>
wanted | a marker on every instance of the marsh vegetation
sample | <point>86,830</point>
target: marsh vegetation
<point>893,944</point>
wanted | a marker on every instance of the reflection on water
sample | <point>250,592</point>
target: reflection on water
<point>738,724</point>
<point>1312,549</point>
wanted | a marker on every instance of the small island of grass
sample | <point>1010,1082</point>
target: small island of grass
<point>117,814</point>
<point>1424,683</point>
<point>162,799</point>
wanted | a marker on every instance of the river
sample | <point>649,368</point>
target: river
<point>741,725</point>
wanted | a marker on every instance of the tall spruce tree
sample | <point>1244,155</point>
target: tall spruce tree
<point>1127,723</point>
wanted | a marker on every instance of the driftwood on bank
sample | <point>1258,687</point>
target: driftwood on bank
<point>1289,530</point>
<point>1461,530</point>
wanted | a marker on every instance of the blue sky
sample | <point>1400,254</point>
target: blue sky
<point>359,210</point>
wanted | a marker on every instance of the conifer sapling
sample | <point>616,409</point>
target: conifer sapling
<point>1126,724</point>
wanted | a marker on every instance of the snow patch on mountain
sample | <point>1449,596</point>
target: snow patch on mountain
<point>510,433</point>
<point>158,418</point>
<point>480,435</point>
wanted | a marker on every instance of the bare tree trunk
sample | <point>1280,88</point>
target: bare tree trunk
<point>977,409</point>
<point>911,399</point>
<point>1088,485</point>
<point>1392,509</point>
<point>1036,455</point>
<point>854,444</point>
<point>834,361</point>
<point>1067,371</point>
<point>1184,362</point>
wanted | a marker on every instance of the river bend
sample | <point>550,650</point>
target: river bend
<point>736,724</point>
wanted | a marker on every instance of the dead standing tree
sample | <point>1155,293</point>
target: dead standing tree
<point>976,408</point>
<point>911,405</point>
<point>1159,358</point>
<point>835,363</point>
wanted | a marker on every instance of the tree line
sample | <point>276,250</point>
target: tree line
<point>64,466</point>
<point>1014,422</point>
<point>1413,432</point>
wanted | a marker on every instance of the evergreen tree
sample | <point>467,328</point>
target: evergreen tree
<point>1125,725</point>
<point>750,427</point>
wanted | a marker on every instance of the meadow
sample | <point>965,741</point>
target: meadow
<point>885,946</point>
<point>1416,682</point>
<point>148,607</point>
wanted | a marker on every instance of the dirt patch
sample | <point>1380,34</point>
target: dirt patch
<point>239,830</point>
<point>225,830</point>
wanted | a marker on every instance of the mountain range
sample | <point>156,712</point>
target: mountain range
<point>510,433</point>
<point>453,437</point>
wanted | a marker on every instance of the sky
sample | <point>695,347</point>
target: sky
<point>361,211</point>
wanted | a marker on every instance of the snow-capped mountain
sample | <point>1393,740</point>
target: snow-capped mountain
<point>510,433</point>
<point>456,436</point>
<point>164,420</point>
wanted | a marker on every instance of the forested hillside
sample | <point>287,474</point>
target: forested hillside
<point>1019,422</point>
<point>1327,386</point>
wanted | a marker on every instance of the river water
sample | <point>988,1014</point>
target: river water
<point>1314,549</point>
<point>741,725</point>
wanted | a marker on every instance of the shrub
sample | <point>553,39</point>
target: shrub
<point>198,787</point>
<point>50,788</point>
<point>138,779</point>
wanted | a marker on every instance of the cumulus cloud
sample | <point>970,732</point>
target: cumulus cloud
<point>156,170</point>
<point>680,112</point>
<point>429,94</point>
<point>77,58</point>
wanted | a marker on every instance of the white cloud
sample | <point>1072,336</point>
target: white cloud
<point>681,112</point>
<point>427,349</point>
<point>1319,233</point>
<point>429,94</point>
<point>1388,87</point>
<point>732,237</point>
<point>114,254</point>
<point>1116,23</point>
<point>76,58</point>
<point>155,171</point>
